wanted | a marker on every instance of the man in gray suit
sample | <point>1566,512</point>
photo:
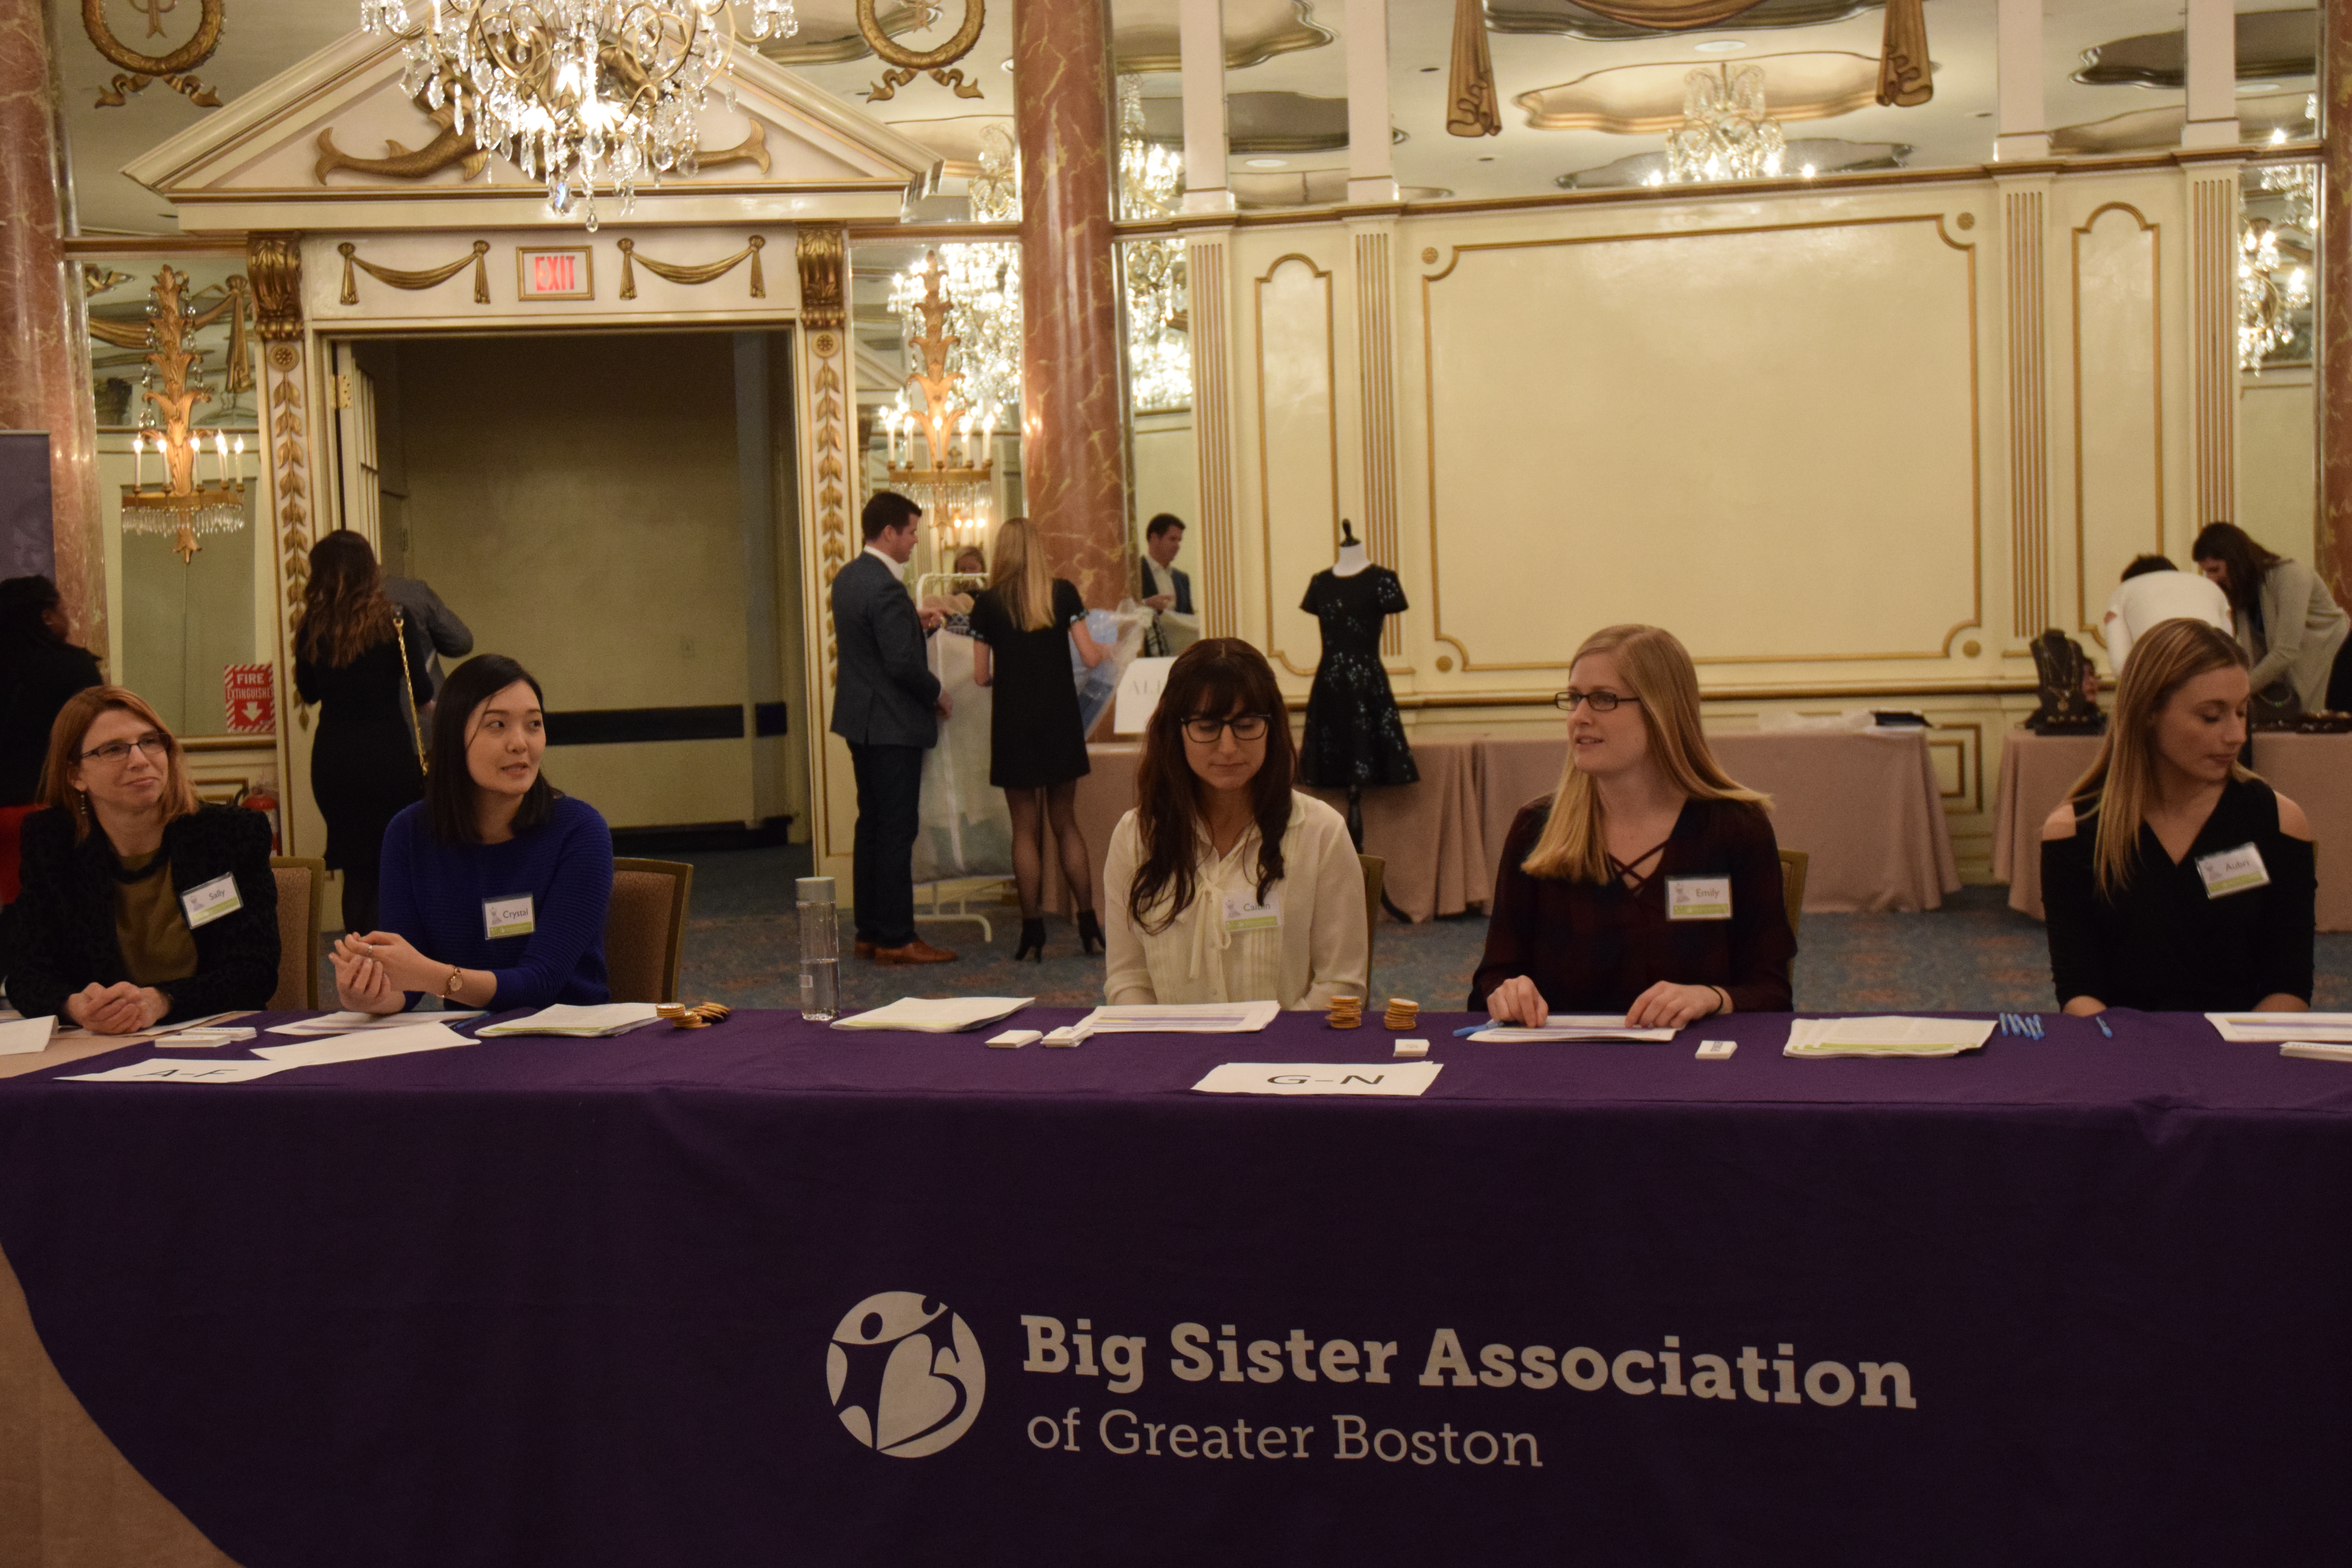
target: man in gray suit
<point>887,704</point>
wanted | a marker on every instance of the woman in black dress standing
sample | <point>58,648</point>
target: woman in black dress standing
<point>349,659</point>
<point>1025,624</point>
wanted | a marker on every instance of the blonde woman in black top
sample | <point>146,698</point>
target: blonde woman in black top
<point>2175,879</point>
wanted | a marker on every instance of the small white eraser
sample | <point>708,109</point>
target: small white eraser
<point>1717,1050</point>
<point>1013,1039</point>
<point>1412,1048</point>
<point>1064,1037</point>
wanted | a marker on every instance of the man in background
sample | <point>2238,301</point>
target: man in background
<point>2153,590</point>
<point>1177,625</point>
<point>887,704</point>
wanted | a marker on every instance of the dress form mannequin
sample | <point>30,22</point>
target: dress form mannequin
<point>1352,558</point>
<point>1354,736</point>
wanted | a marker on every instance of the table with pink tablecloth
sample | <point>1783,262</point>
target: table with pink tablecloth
<point>2313,770</point>
<point>1863,806</point>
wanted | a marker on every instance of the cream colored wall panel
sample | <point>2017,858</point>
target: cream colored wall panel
<point>2278,461</point>
<point>655,783</point>
<point>2118,369</point>
<point>1298,450</point>
<point>1766,437</point>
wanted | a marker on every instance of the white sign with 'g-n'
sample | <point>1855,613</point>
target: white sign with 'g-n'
<point>1407,1079</point>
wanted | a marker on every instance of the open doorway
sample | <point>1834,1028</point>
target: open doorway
<point>619,512</point>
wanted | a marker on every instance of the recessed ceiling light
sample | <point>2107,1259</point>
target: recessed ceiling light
<point>1268,162</point>
<point>1719,46</point>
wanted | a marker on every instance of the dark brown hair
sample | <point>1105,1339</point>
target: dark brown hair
<point>344,612</point>
<point>1214,678</point>
<point>449,787</point>
<point>2248,562</point>
<point>885,509</point>
<point>72,726</point>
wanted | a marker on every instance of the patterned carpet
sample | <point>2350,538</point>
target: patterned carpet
<point>1973,954</point>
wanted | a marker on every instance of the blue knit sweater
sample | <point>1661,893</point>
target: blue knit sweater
<point>434,892</point>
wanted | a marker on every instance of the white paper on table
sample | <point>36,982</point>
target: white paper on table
<point>140,1037</point>
<point>937,1014</point>
<point>363,1047</point>
<point>202,1039</point>
<point>568,1018</point>
<point>22,1037</point>
<point>1885,1035</point>
<point>352,1022</point>
<point>1568,1026</point>
<point>1180,1018</point>
<point>166,1069</point>
<point>2265,1028</point>
<point>1320,1077</point>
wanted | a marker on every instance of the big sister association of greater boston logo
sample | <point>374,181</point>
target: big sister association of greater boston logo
<point>906,1377</point>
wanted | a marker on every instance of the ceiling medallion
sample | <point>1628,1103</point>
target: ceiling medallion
<point>1726,134</point>
<point>577,91</point>
<point>912,63</point>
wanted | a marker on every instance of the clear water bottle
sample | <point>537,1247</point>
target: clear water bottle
<point>820,951</point>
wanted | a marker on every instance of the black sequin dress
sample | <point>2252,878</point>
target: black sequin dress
<point>1353,733</point>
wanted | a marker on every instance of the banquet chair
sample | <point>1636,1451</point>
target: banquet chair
<point>301,892</point>
<point>644,929</point>
<point>1793,884</point>
<point>1375,870</point>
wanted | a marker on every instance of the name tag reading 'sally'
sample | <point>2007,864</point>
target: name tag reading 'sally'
<point>208,901</point>
<point>1698,898</point>
<point>508,917</point>
<point>2231,871</point>
<point>1246,913</point>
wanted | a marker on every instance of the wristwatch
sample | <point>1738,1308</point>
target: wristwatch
<point>449,986</point>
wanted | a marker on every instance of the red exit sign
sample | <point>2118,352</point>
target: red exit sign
<point>556,274</point>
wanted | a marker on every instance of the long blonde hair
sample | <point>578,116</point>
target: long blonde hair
<point>1654,662</point>
<point>2122,782</point>
<point>1021,579</point>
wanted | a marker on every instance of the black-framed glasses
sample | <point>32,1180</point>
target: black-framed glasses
<point>1203,730</point>
<point>1602,702</point>
<point>114,753</point>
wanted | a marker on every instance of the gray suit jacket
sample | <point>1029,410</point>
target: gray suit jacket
<point>886,689</point>
<point>442,627</point>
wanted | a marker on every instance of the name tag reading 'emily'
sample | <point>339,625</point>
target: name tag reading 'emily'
<point>508,917</point>
<point>2235,870</point>
<point>1698,898</point>
<point>208,901</point>
<point>1246,913</point>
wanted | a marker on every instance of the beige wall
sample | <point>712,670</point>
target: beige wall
<point>2278,490</point>
<point>575,501</point>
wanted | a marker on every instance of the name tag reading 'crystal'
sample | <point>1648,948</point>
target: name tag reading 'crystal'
<point>508,917</point>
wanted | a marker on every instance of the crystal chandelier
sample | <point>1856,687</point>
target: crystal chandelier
<point>1158,342</point>
<point>1726,134</point>
<point>952,483</point>
<point>577,92</point>
<point>184,505</point>
<point>2268,302</point>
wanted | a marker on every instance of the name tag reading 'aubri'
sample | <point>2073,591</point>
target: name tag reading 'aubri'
<point>508,917</point>
<point>1698,898</point>
<point>208,901</point>
<point>2231,871</point>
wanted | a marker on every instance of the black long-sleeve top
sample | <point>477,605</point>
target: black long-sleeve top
<point>62,929</point>
<point>1594,947</point>
<point>2162,945</point>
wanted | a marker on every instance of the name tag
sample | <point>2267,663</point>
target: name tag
<point>1698,898</point>
<point>1246,913</point>
<point>208,901</point>
<point>2233,872</point>
<point>508,917</point>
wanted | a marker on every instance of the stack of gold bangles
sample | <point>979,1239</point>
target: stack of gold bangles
<point>701,1016</point>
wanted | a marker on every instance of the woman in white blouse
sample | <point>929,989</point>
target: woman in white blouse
<point>1226,885</point>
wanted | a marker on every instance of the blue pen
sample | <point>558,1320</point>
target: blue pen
<point>2034,1022</point>
<point>2102,1023</point>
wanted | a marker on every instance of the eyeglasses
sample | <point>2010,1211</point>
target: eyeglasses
<point>114,753</point>
<point>1202,731</point>
<point>1601,701</point>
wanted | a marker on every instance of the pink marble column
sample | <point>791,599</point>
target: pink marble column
<point>1072,442</point>
<point>2335,305</point>
<point>44,366</point>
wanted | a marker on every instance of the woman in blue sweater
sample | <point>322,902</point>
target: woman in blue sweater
<point>495,884</point>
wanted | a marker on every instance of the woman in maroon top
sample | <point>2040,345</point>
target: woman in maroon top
<point>1650,882</point>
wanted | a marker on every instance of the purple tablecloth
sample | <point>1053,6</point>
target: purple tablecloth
<point>576,1303</point>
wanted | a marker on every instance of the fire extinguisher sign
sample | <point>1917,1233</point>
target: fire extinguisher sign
<point>251,696</point>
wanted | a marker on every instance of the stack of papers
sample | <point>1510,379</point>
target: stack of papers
<point>2267,1028</point>
<point>1885,1037</point>
<point>578,1023</point>
<point>350,1023</point>
<point>1565,1026</point>
<point>1180,1018</point>
<point>937,1014</point>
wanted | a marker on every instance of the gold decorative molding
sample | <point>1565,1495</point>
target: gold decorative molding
<point>420,278</point>
<point>823,253</point>
<point>1331,412</point>
<point>1471,109</point>
<point>2213,343</point>
<point>1976,434</point>
<point>912,63</point>
<point>828,402</point>
<point>1376,372</point>
<point>2155,232</point>
<point>1647,100</point>
<point>274,267</point>
<point>2029,412</point>
<point>172,70</point>
<point>707,272</point>
<point>1206,271</point>
<point>451,148</point>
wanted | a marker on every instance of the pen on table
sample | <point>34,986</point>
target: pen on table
<point>2034,1023</point>
<point>2102,1023</point>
